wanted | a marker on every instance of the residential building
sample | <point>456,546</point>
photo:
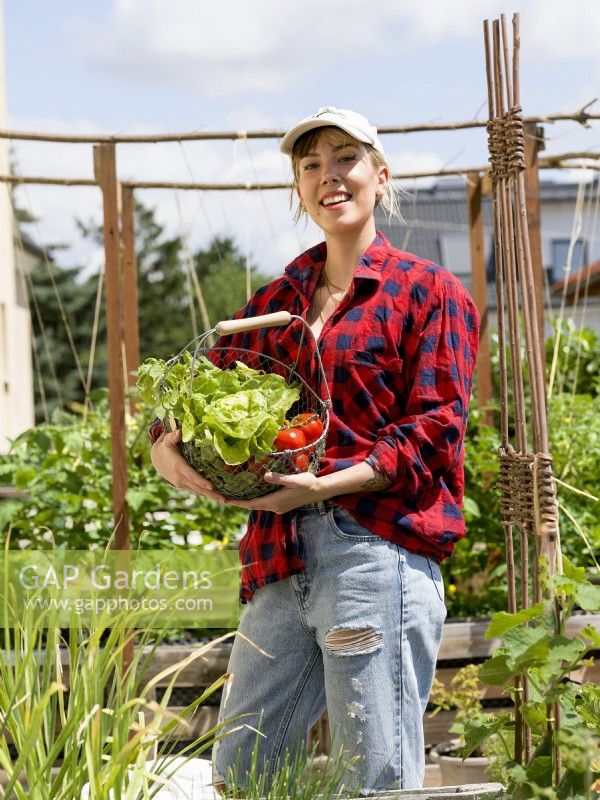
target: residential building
<point>16,376</point>
<point>436,228</point>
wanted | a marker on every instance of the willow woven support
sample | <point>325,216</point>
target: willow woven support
<point>526,482</point>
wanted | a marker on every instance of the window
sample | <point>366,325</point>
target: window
<point>490,268</point>
<point>560,251</point>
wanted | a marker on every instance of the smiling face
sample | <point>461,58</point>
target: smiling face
<point>337,179</point>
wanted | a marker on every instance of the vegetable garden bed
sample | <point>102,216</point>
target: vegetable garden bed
<point>462,642</point>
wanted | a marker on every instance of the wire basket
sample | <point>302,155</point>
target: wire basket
<point>245,481</point>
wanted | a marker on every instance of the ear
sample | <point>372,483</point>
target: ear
<point>383,177</point>
<point>297,190</point>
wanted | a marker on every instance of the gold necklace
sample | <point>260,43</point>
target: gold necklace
<point>339,288</point>
<point>344,292</point>
<point>336,300</point>
<point>325,282</point>
<point>329,283</point>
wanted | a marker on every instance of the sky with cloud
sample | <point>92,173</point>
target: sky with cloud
<point>150,66</point>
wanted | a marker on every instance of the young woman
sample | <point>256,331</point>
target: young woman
<point>340,571</point>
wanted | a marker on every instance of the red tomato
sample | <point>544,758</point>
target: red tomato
<point>301,461</point>
<point>289,439</point>
<point>258,467</point>
<point>310,425</point>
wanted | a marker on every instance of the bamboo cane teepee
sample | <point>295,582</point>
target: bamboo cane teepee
<point>526,481</point>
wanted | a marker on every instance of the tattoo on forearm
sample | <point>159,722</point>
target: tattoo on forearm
<point>377,483</point>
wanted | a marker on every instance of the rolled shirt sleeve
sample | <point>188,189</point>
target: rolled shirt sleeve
<point>421,447</point>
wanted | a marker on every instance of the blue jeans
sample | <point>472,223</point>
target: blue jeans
<point>358,632</point>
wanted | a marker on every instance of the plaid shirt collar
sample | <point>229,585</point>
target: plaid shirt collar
<point>303,272</point>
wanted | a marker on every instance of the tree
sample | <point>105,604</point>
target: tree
<point>167,300</point>
<point>221,270</point>
<point>164,315</point>
<point>57,367</point>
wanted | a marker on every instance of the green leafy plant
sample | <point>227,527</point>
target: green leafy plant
<point>72,712</point>
<point>475,576</point>
<point>65,469</point>
<point>236,412</point>
<point>575,446</point>
<point>536,647</point>
<point>463,695</point>
<point>575,355</point>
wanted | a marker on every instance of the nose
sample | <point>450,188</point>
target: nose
<point>330,173</point>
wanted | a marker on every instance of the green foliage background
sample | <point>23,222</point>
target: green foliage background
<point>475,575</point>
<point>65,467</point>
<point>64,463</point>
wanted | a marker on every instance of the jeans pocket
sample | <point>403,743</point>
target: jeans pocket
<point>344,526</point>
<point>436,577</point>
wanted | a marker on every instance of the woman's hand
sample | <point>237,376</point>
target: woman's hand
<point>173,467</point>
<point>299,490</point>
<point>296,491</point>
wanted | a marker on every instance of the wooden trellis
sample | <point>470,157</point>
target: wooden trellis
<point>119,237</point>
<point>526,482</point>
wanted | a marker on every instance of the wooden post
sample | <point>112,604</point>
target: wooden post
<point>534,142</point>
<point>130,290</point>
<point>479,286</point>
<point>106,175</point>
<point>105,170</point>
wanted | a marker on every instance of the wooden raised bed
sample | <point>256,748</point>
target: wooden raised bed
<point>462,643</point>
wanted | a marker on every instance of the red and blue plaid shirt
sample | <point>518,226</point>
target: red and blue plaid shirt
<point>398,353</point>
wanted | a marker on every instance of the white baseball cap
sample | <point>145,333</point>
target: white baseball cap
<point>355,124</point>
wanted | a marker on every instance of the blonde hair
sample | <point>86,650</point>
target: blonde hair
<point>334,136</point>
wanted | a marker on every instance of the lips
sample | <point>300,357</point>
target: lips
<point>335,198</point>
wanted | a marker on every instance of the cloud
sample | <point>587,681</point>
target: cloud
<point>558,30</point>
<point>221,48</point>
<point>232,47</point>
<point>408,161</point>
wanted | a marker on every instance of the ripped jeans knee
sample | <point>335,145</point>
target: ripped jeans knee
<point>345,641</point>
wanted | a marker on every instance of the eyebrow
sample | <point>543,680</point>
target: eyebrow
<point>335,149</point>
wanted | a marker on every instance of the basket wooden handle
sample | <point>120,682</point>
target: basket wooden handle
<point>229,326</point>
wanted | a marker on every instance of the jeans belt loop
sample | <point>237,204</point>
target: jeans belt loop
<point>321,506</point>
